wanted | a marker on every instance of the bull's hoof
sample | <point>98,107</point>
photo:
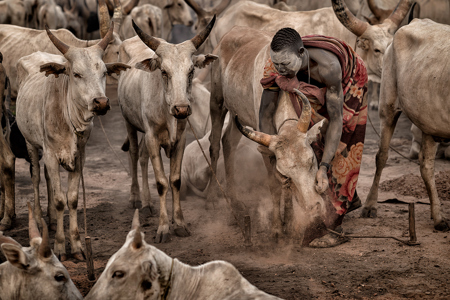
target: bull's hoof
<point>369,212</point>
<point>328,241</point>
<point>62,257</point>
<point>181,231</point>
<point>442,226</point>
<point>136,204</point>
<point>148,210</point>
<point>78,256</point>
<point>162,238</point>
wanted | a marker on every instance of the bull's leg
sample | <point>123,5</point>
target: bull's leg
<point>162,185</point>
<point>35,178</point>
<point>51,210</point>
<point>175,183</point>
<point>143,160</point>
<point>135,199</point>
<point>426,157</point>
<point>60,201</point>
<point>7,185</point>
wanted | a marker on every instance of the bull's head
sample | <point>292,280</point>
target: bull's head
<point>295,158</point>
<point>86,73</point>
<point>176,63</point>
<point>178,12</point>
<point>372,40</point>
<point>136,271</point>
<point>36,271</point>
<point>205,16</point>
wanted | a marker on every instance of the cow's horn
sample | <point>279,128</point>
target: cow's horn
<point>352,23</point>
<point>103,15</point>
<point>305,117</point>
<point>33,230</point>
<point>400,12</point>
<point>221,7</point>
<point>44,248</point>
<point>63,48</point>
<point>118,15</point>
<point>196,8</point>
<point>137,239</point>
<point>150,41</point>
<point>129,6</point>
<point>201,37</point>
<point>135,224</point>
<point>378,12</point>
<point>108,37</point>
<point>256,136</point>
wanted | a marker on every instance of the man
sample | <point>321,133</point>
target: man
<point>334,79</point>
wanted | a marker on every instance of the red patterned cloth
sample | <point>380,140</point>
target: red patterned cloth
<point>343,175</point>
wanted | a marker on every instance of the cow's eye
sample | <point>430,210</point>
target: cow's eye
<point>60,277</point>
<point>118,274</point>
<point>76,75</point>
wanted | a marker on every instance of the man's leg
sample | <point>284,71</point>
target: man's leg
<point>269,101</point>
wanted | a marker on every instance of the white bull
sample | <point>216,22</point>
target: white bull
<point>410,85</point>
<point>34,272</point>
<point>147,16</point>
<point>56,114</point>
<point>156,102</point>
<point>140,271</point>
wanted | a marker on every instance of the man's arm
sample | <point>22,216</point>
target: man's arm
<point>267,110</point>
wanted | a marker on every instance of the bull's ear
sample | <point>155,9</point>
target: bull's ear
<point>15,256</point>
<point>149,65</point>
<point>201,61</point>
<point>53,68</point>
<point>116,68</point>
<point>315,132</point>
<point>363,43</point>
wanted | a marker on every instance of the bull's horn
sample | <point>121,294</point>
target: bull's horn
<point>201,37</point>
<point>108,37</point>
<point>135,224</point>
<point>33,230</point>
<point>103,16</point>
<point>118,15</point>
<point>305,117</point>
<point>221,7</point>
<point>137,239</point>
<point>400,12</point>
<point>129,6</point>
<point>63,48</point>
<point>352,23</point>
<point>378,12</point>
<point>44,248</point>
<point>150,41</point>
<point>195,7</point>
<point>256,136</point>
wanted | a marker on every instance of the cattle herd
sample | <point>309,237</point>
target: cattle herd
<point>57,56</point>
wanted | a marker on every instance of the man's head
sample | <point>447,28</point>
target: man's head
<point>287,52</point>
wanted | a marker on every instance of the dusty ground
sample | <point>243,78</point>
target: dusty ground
<point>360,269</point>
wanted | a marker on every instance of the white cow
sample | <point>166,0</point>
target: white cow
<point>147,16</point>
<point>56,114</point>
<point>410,84</point>
<point>140,271</point>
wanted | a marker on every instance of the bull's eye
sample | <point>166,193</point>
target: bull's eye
<point>76,75</point>
<point>146,285</point>
<point>377,51</point>
<point>118,274</point>
<point>164,74</point>
<point>59,277</point>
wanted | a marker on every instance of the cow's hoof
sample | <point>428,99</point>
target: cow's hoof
<point>442,226</point>
<point>148,210</point>
<point>136,204</point>
<point>62,257</point>
<point>328,241</point>
<point>181,231</point>
<point>53,227</point>
<point>78,256</point>
<point>162,238</point>
<point>369,212</point>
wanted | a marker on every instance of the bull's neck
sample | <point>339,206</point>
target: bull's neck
<point>285,110</point>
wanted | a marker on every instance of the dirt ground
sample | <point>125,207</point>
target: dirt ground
<point>359,269</point>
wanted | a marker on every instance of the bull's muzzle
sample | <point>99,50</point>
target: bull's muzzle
<point>181,111</point>
<point>101,105</point>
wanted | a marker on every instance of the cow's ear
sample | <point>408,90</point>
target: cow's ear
<point>201,61</point>
<point>149,65</point>
<point>53,68</point>
<point>315,133</point>
<point>363,43</point>
<point>116,68</point>
<point>15,256</point>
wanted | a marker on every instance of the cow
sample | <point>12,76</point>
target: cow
<point>408,86</point>
<point>141,271</point>
<point>163,91</point>
<point>51,14</point>
<point>148,17</point>
<point>443,149</point>
<point>34,272</point>
<point>13,12</point>
<point>56,114</point>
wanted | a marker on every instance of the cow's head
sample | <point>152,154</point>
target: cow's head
<point>178,12</point>
<point>295,159</point>
<point>176,64</point>
<point>148,18</point>
<point>136,271</point>
<point>86,74</point>
<point>204,16</point>
<point>372,40</point>
<point>111,53</point>
<point>36,271</point>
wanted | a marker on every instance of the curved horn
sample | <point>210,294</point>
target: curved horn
<point>195,7</point>
<point>118,15</point>
<point>33,230</point>
<point>63,48</point>
<point>305,117</point>
<point>135,224</point>
<point>103,16</point>
<point>352,23</point>
<point>108,37</point>
<point>378,12</point>
<point>129,6</point>
<point>201,37</point>
<point>256,136</point>
<point>44,248</point>
<point>150,41</point>
<point>400,11</point>
<point>221,7</point>
<point>137,239</point>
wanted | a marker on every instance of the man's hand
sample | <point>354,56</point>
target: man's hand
<point>321,180</point>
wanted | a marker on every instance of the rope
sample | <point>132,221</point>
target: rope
<point>110,146</point>
<point>217,180</point>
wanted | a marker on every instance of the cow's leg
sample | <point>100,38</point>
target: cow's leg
<point>162,185</point>
<point>36,179</point>
<point>175,183</point>
<point>60,201</point>
<point>135,199</point>
<point>143,160</point>
<point>51,210</point>
<point>7,184</point>
<point>426,157</point>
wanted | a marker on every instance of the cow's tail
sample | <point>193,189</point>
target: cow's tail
<point>5,107</point>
